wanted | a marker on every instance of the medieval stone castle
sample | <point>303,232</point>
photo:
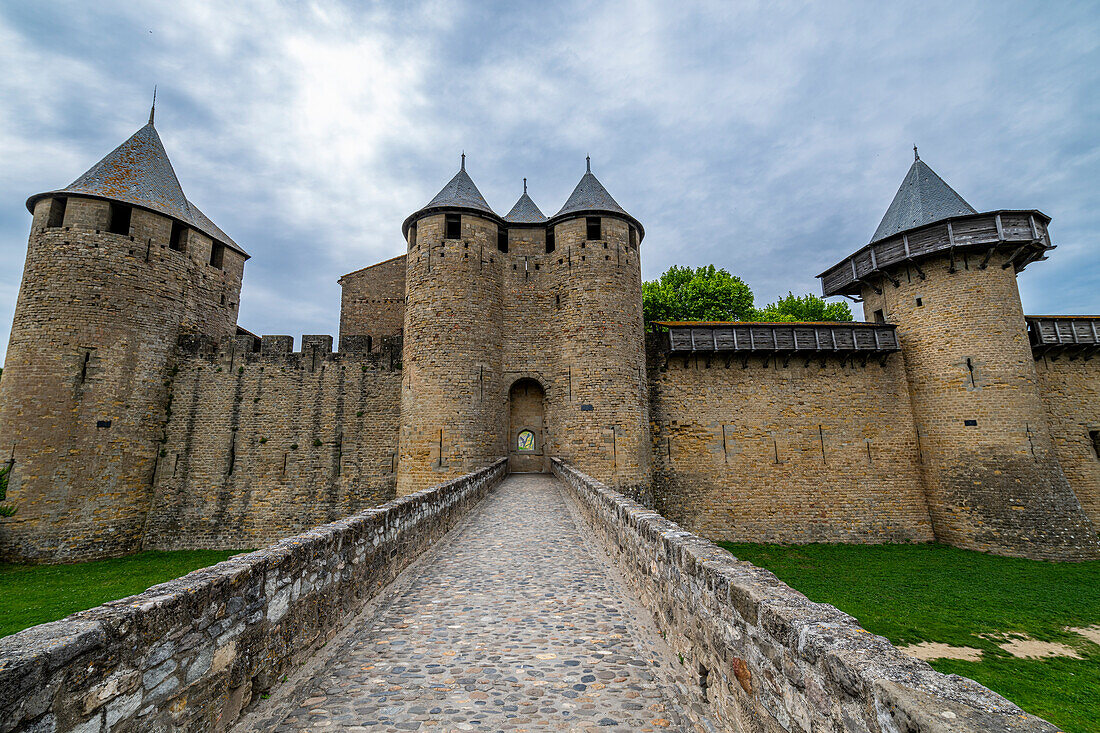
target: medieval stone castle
<point>135,412</point>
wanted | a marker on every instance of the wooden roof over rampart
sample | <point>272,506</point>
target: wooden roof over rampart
<point>1053,336</point>
<point>780,338</point>
<point>1022,233</point>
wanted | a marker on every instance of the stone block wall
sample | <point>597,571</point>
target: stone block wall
<point>192,653</point>
<point>765,449</point>
<point>372,301</point>
<point>1070,389</point>
<point>764,657</point>
<point>264,445</point>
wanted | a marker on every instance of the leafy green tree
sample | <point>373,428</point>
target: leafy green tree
<point>700,294</point>
<point>807,307</point>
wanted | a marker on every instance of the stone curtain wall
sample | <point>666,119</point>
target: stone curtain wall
<point>264,445</point>
<point>763,656</point>
<point>191,654</point>
<point>1070,389</point>
<point>748,451</point>
<point>372,301</point>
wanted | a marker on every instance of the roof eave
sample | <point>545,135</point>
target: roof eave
<point>429,210</point>
<point>563,215</point>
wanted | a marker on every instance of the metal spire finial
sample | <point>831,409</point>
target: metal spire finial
<point>588,163</point>
<point>153,109</point>
<point>463,160</point>
<point>916,157</point>
<point>525,185</point>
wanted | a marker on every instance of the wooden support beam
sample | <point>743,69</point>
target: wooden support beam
<point>951,250</point>
<point>985,261</point>
<point>1012,257</point>
<point>1000,229</point>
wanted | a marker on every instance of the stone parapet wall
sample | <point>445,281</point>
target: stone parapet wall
<point>767,658</point>
<point>192,653</point>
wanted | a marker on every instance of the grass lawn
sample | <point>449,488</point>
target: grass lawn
<point>913,593</point>
<point>35,594</point>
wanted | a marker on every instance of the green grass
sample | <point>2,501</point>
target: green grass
<point>35,594</point>
<point>913,593</point>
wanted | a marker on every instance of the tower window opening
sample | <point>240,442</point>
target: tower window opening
<point>1094,436</point>
<point>920,302</point>
<point>118,221</point>
<point>549,240</point>
<point>412,236</point>
<point>880,317</point>
<point>593,228</point>
<point>217,255</point>
<point>57,213</point>
<point>176,240</point>
<point>452,228</point>
<point>502,239</point>
<point>633,237</point>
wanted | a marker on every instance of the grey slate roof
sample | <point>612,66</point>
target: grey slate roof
<point>923,198</point>
<point>460,192</point>
<point>590,195</point>
<point>139,172</point>
<point>525,211</point>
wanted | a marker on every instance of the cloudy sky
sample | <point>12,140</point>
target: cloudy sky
<point>764,137</point>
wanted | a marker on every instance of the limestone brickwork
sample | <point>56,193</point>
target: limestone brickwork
<point>775,449</point>
<point>260,446</point>
<point>372,301</point>
<point>991,474</point>
<point>85,382</point>
<point>1070,389</point>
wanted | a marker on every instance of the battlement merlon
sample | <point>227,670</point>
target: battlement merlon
<point>246,348</point>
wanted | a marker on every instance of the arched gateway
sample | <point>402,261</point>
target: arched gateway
<point>526,427</point>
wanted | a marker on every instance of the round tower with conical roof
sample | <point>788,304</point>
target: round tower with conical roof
<point>451,392</point>
<point>600,334</point>
<point>946,275</point>
<point>119,265</point>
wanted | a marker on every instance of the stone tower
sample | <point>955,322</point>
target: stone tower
<point>119,265</point>
<point>601,336</point>
<point>452,349</point>
<point>523,326</point>
<point>946,275</point>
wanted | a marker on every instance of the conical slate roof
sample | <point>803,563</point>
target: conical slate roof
<point>139,172</point>
<point>460,192</point>
<point>590,195</point>
<point>525,211</point>
<point>923,198</point>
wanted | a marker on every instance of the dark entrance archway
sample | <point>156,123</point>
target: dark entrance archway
<point>526,427</point>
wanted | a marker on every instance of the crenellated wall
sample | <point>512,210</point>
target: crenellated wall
<point>770,449</point>
<point>261,445</point>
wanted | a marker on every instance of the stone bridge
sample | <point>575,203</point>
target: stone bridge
<point>492,602</point>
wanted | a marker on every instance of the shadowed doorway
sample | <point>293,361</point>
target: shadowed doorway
<point>526,433</point>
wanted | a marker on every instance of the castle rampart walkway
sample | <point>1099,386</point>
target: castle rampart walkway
<point>515,621</point>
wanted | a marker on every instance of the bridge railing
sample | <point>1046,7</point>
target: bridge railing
<point>191,653</point>
<point>760,654</point>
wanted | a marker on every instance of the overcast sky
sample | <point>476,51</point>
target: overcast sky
<point>767,138</point>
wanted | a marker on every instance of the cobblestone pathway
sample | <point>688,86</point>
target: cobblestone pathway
<point>514,622</point>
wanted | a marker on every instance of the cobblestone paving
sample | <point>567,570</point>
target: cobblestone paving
<point>513,623</point>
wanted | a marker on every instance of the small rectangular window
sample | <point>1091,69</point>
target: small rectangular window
<point>412,236</point>
<point>880,317</point>
<point>118,221</point>
<point>502,239</point>
<point>549,240</point>
<point>179,231</point>
<point>593,228</point>
<point>57,213</point>
<point>217,254</point>
<point>453,227</point>
<point>1094,435</point>
<point>920,301</point>
<point>633,238</point>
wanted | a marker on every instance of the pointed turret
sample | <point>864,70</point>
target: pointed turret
<point>923,198</point>
<point>460,193</point>
<point>525,211</point>
<point>138,172</point>
<point>590,197</point>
